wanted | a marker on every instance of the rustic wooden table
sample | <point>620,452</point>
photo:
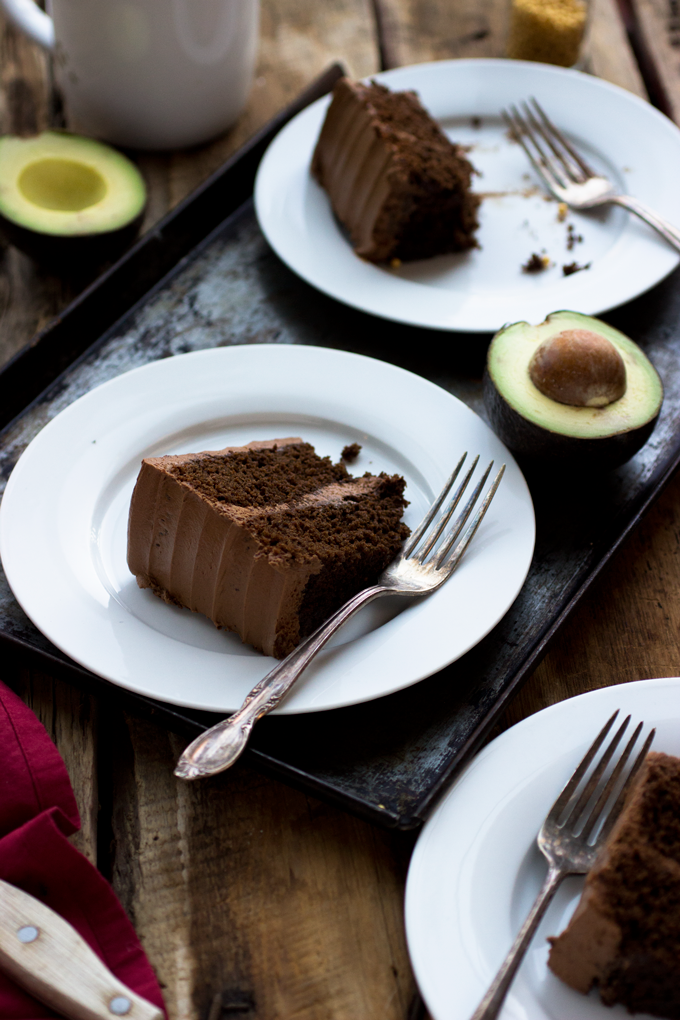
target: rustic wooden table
<point>250,898</point>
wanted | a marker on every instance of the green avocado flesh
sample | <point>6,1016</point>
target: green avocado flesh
<point>64,185</point>
<point>534,424</point>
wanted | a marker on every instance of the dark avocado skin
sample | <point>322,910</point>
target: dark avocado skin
<point>78,251</point>
<point>533,444</point>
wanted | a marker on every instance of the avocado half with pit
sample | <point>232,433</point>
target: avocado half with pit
<point>67,200</point>
<point>572,389</point>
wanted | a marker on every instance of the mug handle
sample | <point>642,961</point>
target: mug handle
<point>34,22</point>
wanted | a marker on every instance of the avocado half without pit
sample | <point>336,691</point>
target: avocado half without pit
<point>572,389</point>
<point>68,200</point>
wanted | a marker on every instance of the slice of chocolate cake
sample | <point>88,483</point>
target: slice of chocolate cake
<point>267,539</point>
<point>624,936</point>
<point>395,181</point>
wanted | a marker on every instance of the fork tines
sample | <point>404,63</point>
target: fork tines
<point>537,134</point>
<point>444,557</point>
<point>600,786</point>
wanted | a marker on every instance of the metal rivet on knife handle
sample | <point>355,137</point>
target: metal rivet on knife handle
<point>120,1005</point>
<point>28,933</point>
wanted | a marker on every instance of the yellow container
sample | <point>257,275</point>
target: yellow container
<point>550,31</point>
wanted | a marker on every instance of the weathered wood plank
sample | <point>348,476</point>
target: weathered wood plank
<point>658,22</point>
<point>70,718</point>
<point>419,30</point>
<point>255,898</point>
<point>25,100</point>
<point>607,52</point>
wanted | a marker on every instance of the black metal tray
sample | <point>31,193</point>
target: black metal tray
<point>387,760</point>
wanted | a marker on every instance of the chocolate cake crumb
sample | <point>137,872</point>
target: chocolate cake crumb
<point>573,267</point>
<point>351,452</point>
<point>572,237</point>
<point>536,264</point>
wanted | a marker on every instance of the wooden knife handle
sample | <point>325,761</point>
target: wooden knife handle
<point>45,955</point>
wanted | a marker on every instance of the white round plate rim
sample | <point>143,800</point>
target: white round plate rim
<point>449,952</point>
<point>297,228</point>
<point>108,431</point>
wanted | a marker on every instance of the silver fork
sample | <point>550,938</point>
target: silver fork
<point>565,172</point>
<point>428,559</point>
<point>566,839</point>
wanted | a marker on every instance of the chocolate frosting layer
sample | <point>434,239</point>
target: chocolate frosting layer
<point>351,162</point>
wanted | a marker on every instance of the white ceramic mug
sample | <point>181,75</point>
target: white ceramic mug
<point>148,74</point>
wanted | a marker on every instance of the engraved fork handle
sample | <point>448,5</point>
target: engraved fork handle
<point>492,1002</point>
<point>669,232</point>
<point>220,746</point>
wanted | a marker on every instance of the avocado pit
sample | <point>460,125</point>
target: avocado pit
<point>580,368</point>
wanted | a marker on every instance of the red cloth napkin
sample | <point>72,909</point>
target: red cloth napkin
<point>37,813</point>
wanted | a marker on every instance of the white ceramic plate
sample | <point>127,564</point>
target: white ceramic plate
<point>64,515</point>
<point>481,290</point>
<point>476,870</point>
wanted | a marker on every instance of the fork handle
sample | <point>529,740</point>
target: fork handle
<point>220,746</point>
<point>667,230</point>
<point>492,1002</point>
